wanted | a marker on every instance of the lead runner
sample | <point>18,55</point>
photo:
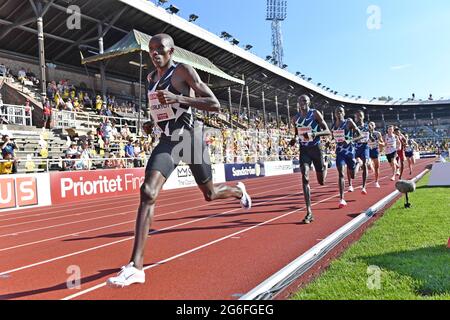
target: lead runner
<point>174,90</point>
<point>309,128</point>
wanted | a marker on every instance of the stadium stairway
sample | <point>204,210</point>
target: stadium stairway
<point>28,141</point>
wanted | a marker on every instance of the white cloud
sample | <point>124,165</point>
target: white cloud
<point>400,67</point>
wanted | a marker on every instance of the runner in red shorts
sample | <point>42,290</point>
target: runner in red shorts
<point>401,151</point>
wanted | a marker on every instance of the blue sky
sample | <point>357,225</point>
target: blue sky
<point>329,40</point>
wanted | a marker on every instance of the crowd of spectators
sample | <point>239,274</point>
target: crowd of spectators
<point>249,140</point>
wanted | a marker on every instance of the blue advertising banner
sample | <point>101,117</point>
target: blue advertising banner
<point>242,171</point>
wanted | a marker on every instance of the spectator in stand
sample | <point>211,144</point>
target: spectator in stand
<point>50,91</point>
<point>32,77</point>
<point>73,152</point>
<point>73,93</point>
<point>47,114</point>
<point>106,133</point>
<point>104,110</point>
<point>139,154</point>
<point>87,102</point>
<point>129,150</point>
<point>69,105</point>
<point>85,156</point>
<point>115,133</point>
<point>77,106</point>
<point>80,96</point>
<point>8,148</point>
<point>430,98</point>
<point>28,112</point>
<point>125,132</point>
<point>98,104</point>
<point>22,75</point>
<point>59,102</point>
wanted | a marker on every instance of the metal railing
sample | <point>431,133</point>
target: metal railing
<point>33,165</point>
<point>17,115</point>
<point>77,120</point>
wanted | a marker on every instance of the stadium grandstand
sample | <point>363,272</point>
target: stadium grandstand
<point>75,99</point>
<point>93,73</point>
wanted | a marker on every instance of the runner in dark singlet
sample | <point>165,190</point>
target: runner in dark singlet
<point>343,132</point>
<point>411,147</point>
<point>375,142</point>
<point>362,148</point>
<point>309,128</point>
<point>174,90</point>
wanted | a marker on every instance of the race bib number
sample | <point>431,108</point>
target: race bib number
<point>365,138</point>
<point>160,112</point>
<point>302,132</point>
<point>373,144</point>
<point>339,136</point>
<point>390,143</point>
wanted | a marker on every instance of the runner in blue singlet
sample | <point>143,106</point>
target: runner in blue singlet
<point>309,128</point>
<point>343,132</point>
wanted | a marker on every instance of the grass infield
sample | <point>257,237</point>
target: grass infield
<point>403,256</point>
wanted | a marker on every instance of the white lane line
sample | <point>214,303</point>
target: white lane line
<point>190,222</point>
<point>103,284</point>
<point>98,210</point>
<point>125,213</point>
<point>165,195</point>
<point>131,238</point>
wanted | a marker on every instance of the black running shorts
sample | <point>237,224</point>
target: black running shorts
<point>168,154</point>
<point>312,155</point>
<point>391,156</point>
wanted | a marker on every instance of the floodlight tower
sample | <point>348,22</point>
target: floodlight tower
<point>277,12</point>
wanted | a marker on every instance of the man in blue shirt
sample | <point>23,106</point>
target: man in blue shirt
<point>129,150</point>
<point>8,148</point>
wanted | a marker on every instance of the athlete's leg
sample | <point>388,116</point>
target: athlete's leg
<point>365,173</point>
<point>350,177</point>
<point>320,165</point>
<point>153,184</point>
<point>340,169</point>
<point>402,166</point>
<point>410,164</point>
<point>212,193</point>
<point>376,163</point>
<point>307,192</point>
<point>393,164</point>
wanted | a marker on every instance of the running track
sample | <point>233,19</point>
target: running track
<point>199,250</point>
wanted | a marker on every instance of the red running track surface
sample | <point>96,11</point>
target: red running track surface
<point>199,250</point>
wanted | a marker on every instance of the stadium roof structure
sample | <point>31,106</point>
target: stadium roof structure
<point>136,41</point>
<point>112,20</point>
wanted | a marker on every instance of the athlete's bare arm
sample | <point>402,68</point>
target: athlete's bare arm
<point>381,141</point>
<point>356,130</point>
<point>186,77</point>
<point>322,124</point>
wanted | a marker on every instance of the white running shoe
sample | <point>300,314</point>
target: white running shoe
<point>342,204</point>
<point>128,275</point>
<point>364,191</point>
<point>377,185</point>
<point>351,189</point>
<point>246,201</point>
<point>393,178</point>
